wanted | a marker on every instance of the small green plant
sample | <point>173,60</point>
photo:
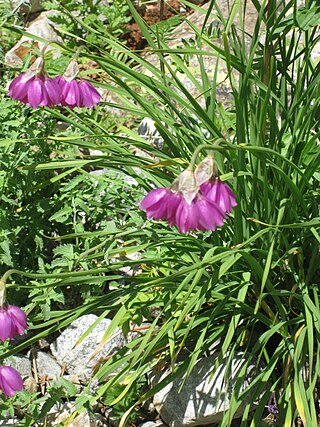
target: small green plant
<point>90,21</point>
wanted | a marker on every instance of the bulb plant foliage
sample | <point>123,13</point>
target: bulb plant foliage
<point>228,248</point>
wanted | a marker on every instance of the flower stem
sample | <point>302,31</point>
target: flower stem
<point>40,276</point>
<point>78,51</point>
<point>204,147</point>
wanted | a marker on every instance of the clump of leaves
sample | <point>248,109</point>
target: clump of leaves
<point>89,20</point>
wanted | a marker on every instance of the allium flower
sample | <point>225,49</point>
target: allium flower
<point>13,321</point>
<point>76,93</point>
<point>193,202</point>
<point>200,214</point>
<point>10,380</point>
<point>35,88</point>
<point>220,193</point>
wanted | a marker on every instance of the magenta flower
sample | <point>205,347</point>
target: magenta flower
<point>76,93</point>
<point>13,321</point>
<point>192,203</point>
<point>220,193</point>
<point>200,214</point>
<point>10,380</point>
<point>35,88</point>
<point>160,203</point>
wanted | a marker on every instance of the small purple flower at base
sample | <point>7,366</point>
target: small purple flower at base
<point>10,380</point>
<point>77,93</point>
<point>13,321</point>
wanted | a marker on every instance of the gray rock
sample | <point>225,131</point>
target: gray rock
<point>150,133</point>
<point>9,422</point>
<point>26,6</point>
<point>157,423</point>
<point>61,412</point>
<point>21,364</point>
<point>204,397</point>
<point>80,359</point>
<point>41,27</point>
<point>47,366</point>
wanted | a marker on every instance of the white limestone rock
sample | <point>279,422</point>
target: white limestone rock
<point>47,366</point>
<point>204,397</point>
<point>60,413</point>
<point>41,27</point>
<point>80,359</point>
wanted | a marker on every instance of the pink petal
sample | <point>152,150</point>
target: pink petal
<point>53,90</point>
<point>206,187</point>
<point>19,87</point>
<point>19,319</point>
<point>35,92</point>
<point>210,215</point>
<point>10,380</point>
<point>172,206</point>
<point>90,95</point>
<point>153,197</point>
<point>15,82</point>
<point>5,325</point>
<point>221,194</point>
<point>71,94</point>
<point>187,217</point>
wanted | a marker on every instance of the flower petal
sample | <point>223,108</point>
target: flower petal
<point>53,90</point>
<point>5,325</point>
<point>71,95</point>
<point>210,215</point>
<point>187,216</point>
<point>90,95</point>
<point>19,319</point>
<point>10,380</point>
<point>35,92</point>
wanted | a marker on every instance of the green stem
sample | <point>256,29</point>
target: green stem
<point>244,147</point>
<point>201,147</point>
<point>77,54</point>
<point>40,276</point>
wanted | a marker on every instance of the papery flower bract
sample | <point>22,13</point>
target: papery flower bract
<point>220,193</point>
<point>10,380</point>
<point>76,93</point>
<point>13,321</point>
<point>35,88</point>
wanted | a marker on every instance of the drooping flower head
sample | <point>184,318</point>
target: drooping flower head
<point>35,87</point>
<point>10,380</point>
<point>13,321</point>
<point>217,191</point>
<point>76,93</point>
<point>195,201</point>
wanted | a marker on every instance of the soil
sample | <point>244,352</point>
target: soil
<point>151,14</point>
